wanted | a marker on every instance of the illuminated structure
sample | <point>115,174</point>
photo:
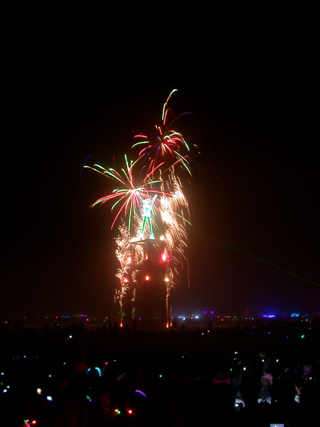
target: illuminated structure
<point>147,210</point>
<point>149,265</point>
<point>145,289</point>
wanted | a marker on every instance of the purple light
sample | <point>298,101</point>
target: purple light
<point>141,392</point>
<point>269,316</point>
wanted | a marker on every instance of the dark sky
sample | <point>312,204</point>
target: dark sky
<point>255,121</point>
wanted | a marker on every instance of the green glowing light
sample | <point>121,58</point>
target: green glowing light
<point>261,260</point>
<point>147,209</point>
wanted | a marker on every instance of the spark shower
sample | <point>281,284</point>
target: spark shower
<point>151,211</point>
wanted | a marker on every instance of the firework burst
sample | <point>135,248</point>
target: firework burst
<point>130,193</point>
<point>149,195</point>
<point>167,147</point>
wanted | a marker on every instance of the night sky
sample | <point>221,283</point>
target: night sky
<point>255,188</point>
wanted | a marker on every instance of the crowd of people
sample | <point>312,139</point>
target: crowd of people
<point>256,374</point>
